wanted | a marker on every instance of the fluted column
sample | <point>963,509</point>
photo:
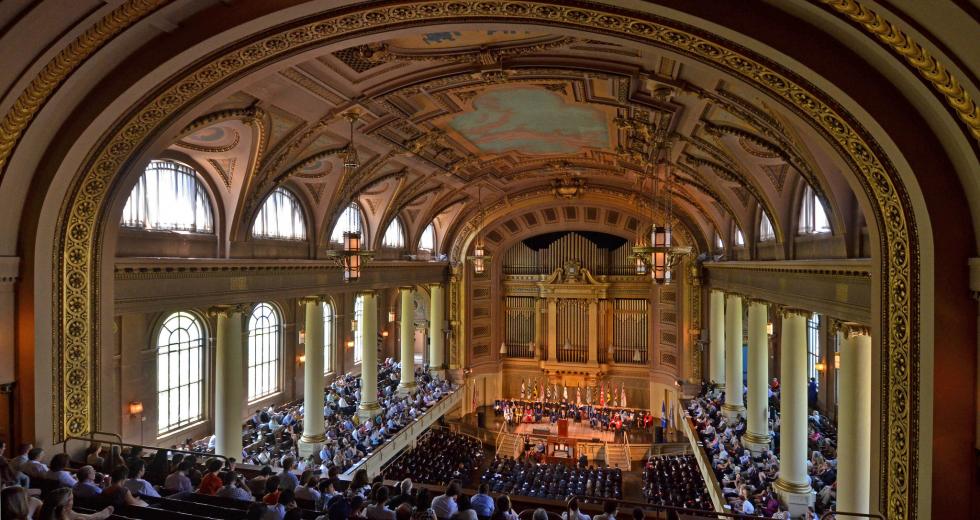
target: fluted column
<point>437,317</point>
<point>369,356</point>
<point>716,336</point>
<point>734,403</point>
<point>854,421</point>
<point>229,373</point>
<point>407,326</point>
<point>792,484</point>
<point>756,437</point>
<point>313,427</point>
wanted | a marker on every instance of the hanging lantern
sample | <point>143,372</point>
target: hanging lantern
<point>352,256</point>
<point>660,239</point>
<point>641,266</point>
<point>479,258</point>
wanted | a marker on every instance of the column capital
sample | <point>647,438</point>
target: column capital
<point>752,300</point>
<point>851,329</point>
<point>789,312</point>
<point>304,300</point>
<point>406,288</point>
<point>366,292</point>
<point>226,310</point>
<point>435,285</point>
<point>734,294</point>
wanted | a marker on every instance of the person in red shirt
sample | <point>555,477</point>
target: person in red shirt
<point>211,482</point>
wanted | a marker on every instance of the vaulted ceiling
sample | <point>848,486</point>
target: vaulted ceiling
<point>452,114</point>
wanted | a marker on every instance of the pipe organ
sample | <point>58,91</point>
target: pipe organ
<point>519,335</point>
<point>573,330</point>
<point>630,330</point>
<point>611,257</point>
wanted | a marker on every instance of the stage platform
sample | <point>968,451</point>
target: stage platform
<point>578,431</point>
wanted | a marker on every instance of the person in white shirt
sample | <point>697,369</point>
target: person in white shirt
<point>135,483</point>
<point>57,471</point>
<point>34,468</point>
<point>445,505</point>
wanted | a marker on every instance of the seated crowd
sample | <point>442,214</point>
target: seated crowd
<point>675,480</point>
<point>552,481</point>
<point>746,480</point>
<point>438,457</point>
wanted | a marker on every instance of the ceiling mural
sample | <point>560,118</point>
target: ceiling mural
<point>218,138</point>
<point>456,39</point>
<point>531,120</point>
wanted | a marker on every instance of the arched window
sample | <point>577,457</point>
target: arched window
<point>813,217</point>
<point>349,222</point>
<point>765,228</point>
<point>427,242</point>
<point>328,340</point>
<point>358,338</point>
<point>169,196</point>
<point>719,244</point>
<point>180,372</point>
<point>281,217</point>
<point>813,344</point>
<point>394,236</point>
<point>739,238</point>
<point>264,340</point>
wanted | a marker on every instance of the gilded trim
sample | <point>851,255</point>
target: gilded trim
<point>78,251</point>
<point>933,70</point>
<point>53,74</point>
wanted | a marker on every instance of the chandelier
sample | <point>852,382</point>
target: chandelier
<point>350,153</point>
<point>661,255</point>
<point>480,258</point>
<point>352,256</point>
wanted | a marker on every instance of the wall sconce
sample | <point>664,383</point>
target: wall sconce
<point>836,359</point>
<point>302,337</point>
<point>353,325</point>
<point>820,366</point>
<point>391,316</point>
<point>769,328</point>
<point>384,334</point>
<point>503,348</point>
<point>301,358</point>
<point>135,408</point>
<point>350,343</point>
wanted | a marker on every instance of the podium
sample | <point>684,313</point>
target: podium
<point>563,427</point>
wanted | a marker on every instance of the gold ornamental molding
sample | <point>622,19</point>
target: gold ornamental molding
<point>917,56</point>
<point>61,66</point>
<point>78,250</point>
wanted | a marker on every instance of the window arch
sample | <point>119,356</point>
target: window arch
<point>349,222</point>
<point>280,217</point>
<point>813,346</point>
<point>328,341</point>
<point>427,242</point>
<point>719,243</point>
<point>264,340</point>
<point>394,235</point>
<point>739,238</point>
<point>169,196</point>
<point>180,372</point>
<point>813,216</point>
<point>766,232</point>
<point>358,338</point>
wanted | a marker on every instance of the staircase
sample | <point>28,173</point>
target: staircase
<point>509,445</point>
<point>618,455</point>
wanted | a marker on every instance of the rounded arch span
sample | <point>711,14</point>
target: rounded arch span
<point>879,172</point>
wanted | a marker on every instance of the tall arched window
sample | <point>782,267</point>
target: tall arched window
<point>719,244</point>
<point>813,344</point>
<point>394,235</point>
<point>739,238</point>
<point>280,217</point>
<point>358,315</point>
<point>813,217</point>
<point>169,196</point>
<point>765,228</point>
<point>264,340</point>
<point>328,340</point>
<point>427,242</point>
<point>349,221</point>
<point>180,372</point>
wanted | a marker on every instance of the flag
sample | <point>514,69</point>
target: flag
<point>475,391</point>
<point>663,414</point>
<point>673,424</point>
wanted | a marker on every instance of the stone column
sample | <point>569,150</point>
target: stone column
<point>369,356</point>
<point>792,485</point>
<point>756,437</point>
<point>854,421</point>
<point>313,427</point>
<point>437,318</point>
<point>716,337</point>
<point>734,403</point>
<point>407,326</point>
<point>229,374</point>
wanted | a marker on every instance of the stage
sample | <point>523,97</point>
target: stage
<point>580,431</point>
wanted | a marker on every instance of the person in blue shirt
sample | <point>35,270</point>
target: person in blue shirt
<point>482,502</point>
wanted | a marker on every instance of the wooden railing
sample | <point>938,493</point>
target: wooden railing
<point>704,463</point>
